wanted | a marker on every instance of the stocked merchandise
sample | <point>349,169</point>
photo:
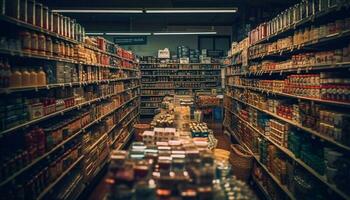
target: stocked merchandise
<point>172,169</point>
<point>176,77</point>
<point>174,100</point>
<point>287,101</point>
<point>66,101</point>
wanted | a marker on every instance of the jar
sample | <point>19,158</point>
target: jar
<point>50,22</point>
<point>48,44</point>
<point>41,44</point>
<point>39,15</point>
<point>61,25</point>
<point>55,22</point>
<point>62,49</point>
<point>56,48</point>
<point>72,51</point>
<point>67,50</point>
<point>26,41</point>
<point>34,43</point>
<point>46,18</point>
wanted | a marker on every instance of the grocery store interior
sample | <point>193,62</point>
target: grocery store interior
<point>174,100</point>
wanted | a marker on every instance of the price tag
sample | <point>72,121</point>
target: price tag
<point>36,89</point>
<point>281,73</point>
<point>298,71</point>
<point>70,84</point>
<point>281,52</point>
<point>270,73</point>
<point>62,113</point>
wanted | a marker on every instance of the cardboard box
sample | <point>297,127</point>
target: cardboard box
<point>165,53</point>
<point>184,60</point>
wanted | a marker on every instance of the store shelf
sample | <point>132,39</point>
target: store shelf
<point>310,44</point>
<point>283,187</point>
<point>261,188</point>
<point>35,28</point>
<point>183,76</point>
<point>61,112</point>
<point>56,58</point>
<point>126,125</point>
<point>337,103</point>
<point>292,27</point>
<point>177,69</point>
<point>297,69</point>
<point>61,85</point>
<point>149,107</point>
<point>107,53</point>
<point>291,155</point>
<point>104,135</point>
<point>53,184</point>
<point>232,64</point>
<point>148,63</point>
<point>37,160</point>
<point>127,139</point>
<point>313,132</point>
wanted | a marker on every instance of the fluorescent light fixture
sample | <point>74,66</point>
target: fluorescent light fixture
<point>128,33</point>
<point>98,11</point>
<point>185,33</point>
<point>94,33</point>
<point>165,11</point>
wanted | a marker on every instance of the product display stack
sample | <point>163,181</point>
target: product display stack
<point>66,101</point>
<point>174,163</point>
<point>287,101</point>
<point>182,74</point>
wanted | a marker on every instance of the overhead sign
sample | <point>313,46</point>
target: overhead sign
<point>130,40</point>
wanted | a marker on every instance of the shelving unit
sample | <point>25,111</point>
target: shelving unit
<point>98,104</point>
<point>253,105</point>
<point>159,79</point>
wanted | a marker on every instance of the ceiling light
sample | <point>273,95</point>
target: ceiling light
<point>94,33</point>
<point>128,33</point>
<point>98,11</point>
<point>185,33</point>
<point>192,11</point>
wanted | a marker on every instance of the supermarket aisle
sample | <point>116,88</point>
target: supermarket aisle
<point>100,189</point>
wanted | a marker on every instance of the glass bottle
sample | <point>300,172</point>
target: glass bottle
<point>25,78</point>
<point>33,78</point>
<point>41,77</point>
<point>16,78</point>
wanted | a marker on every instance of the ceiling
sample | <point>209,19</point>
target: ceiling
<point>141,22</point>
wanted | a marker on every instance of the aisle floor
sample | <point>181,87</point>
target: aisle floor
<point>101,189</point>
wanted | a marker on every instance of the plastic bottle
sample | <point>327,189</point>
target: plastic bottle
<point>25,78</point>
<point>41,77</point>
<point>33,78</point>
<point>16,78</point>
